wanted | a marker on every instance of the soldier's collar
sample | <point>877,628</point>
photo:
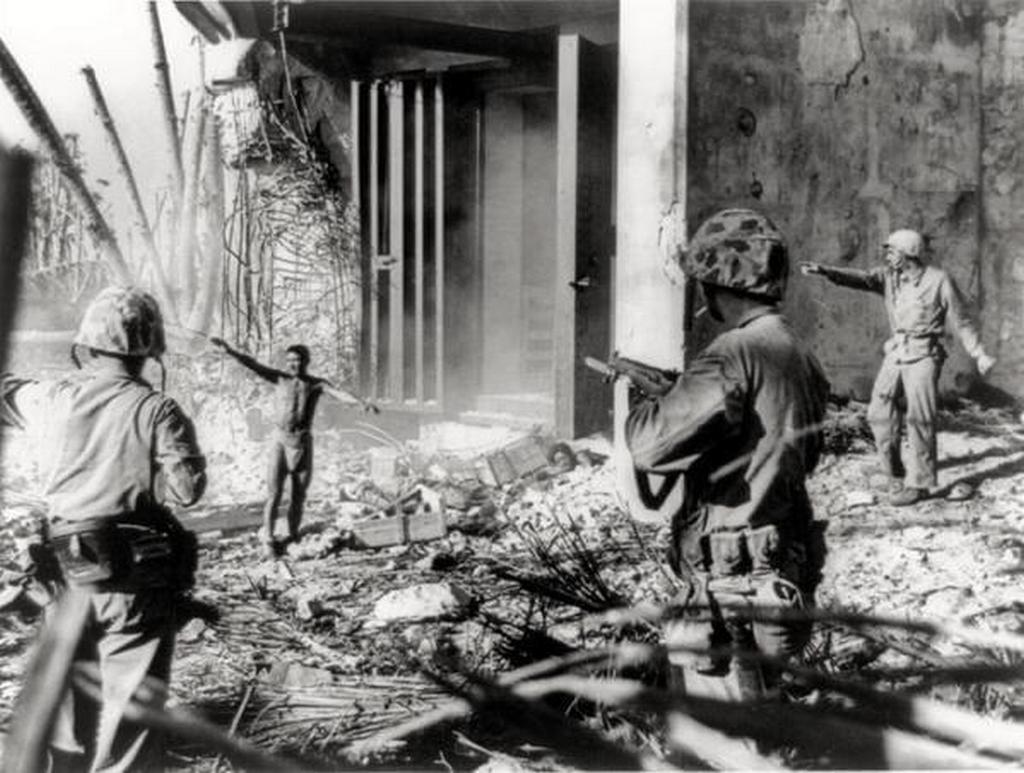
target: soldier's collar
<point>100,375</point>
<point>911,272</point>
<point>756,313</point>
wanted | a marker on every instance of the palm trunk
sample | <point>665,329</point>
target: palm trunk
<point>37,117</point>
<point>43,685</point>
<point>213,216</point>
<point>163,86</point>
<point>149,243</point>
<point>185,242</point>
<point>15,195</point>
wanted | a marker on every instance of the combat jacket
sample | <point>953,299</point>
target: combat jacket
<point>743,422</point>
<point>112,445</point>
<point>917,303</point>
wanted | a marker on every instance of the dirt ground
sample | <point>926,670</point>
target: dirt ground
<point>299,664</point>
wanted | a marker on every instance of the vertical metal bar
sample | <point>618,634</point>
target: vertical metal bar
<point>439,242</point>
<point>566,216</point>
<point>356,193</point>
<point>419,212</point>
<point>374,236</point>
<point>396,220</point>
<point>356,149</point>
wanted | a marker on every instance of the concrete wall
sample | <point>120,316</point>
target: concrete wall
<point>1002,246</point>
<point>845,119</point>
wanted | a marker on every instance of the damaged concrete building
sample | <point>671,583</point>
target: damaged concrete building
<point>513,164</point>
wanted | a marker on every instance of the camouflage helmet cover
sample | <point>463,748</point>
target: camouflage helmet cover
<point>741,250</point>
<point>123,321</point>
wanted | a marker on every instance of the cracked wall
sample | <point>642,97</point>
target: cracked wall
<point>1002,170</point>
<point>846,119</point>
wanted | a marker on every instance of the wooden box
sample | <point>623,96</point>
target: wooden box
<point>517,459</point>
<point>419,516</point>
<point>399,529</point>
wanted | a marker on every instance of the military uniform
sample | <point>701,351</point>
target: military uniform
<point>743,423</point>
<point>918,301</point>
<point>115,447</point>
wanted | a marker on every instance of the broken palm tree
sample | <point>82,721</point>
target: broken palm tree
<point>72,204</point>
<point>61,258</point>
<point>39,120</point>
<point>291,269</point>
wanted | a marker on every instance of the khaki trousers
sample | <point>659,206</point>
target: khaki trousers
<point>906,391</point>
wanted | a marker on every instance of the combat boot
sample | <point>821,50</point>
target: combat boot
<point>907,496</point>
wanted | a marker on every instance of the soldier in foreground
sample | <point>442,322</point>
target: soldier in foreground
<point>743,425</point>
<point>290,449</point>
<point>116,447</point>
<point>918,299</point>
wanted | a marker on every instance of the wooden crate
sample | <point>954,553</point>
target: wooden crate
<point>517,459</point>
<point>400,529</point>
<point>419,516</point>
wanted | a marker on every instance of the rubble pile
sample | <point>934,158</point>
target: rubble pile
<point>347,614</point>
<point>421,561</point>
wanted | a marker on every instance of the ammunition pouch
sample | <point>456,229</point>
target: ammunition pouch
<point>117,554</point>
<point>762,551</point>
<point>767,568</point>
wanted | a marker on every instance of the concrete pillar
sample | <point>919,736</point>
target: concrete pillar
<point>651,193</point>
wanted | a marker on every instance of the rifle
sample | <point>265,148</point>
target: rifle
<point>648,379</point>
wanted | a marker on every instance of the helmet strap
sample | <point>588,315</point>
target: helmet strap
<point>163,374</point>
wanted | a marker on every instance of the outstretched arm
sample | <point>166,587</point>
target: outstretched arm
<point>872,281</point>
<point>348,398</point>
<point>261,370</point>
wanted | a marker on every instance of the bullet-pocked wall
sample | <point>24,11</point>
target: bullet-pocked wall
<point>846,119</point>
<point>1002,186</point>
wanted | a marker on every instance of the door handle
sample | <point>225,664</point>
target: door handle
<point>583,283</point>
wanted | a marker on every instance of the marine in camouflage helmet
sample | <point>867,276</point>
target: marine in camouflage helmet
<point>123,322</point>
<point>741,250</point>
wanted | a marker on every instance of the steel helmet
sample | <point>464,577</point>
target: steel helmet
<point>123,321</point>
<point>909,243</point>
<point>741,250</point>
